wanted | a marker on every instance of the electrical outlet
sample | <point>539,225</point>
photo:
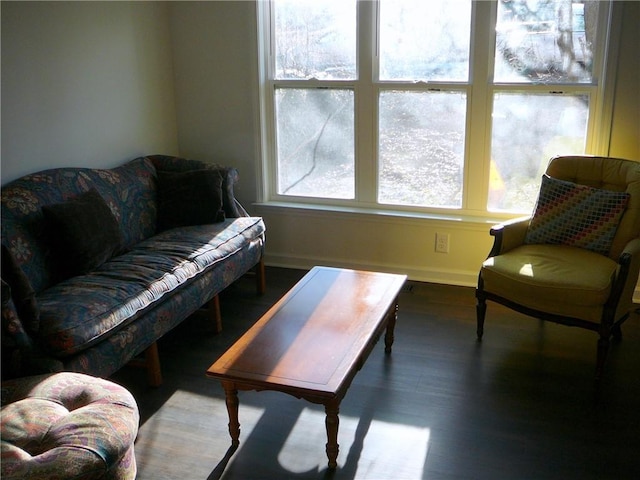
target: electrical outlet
<point>442,242</point>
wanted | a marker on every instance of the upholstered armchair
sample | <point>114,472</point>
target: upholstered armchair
<point>575,260</point>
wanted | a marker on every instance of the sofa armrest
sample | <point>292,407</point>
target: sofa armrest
<point>21,354</point>
<point>508,235</point>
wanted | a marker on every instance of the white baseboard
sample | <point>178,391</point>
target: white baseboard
<point>445,276</point>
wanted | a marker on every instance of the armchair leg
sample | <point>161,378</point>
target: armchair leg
<point>603,348</point>
<point>481,310</point>
<point>616,331</point>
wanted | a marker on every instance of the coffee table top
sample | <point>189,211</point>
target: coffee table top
<point>313,337</point>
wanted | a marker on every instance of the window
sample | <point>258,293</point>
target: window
<point>427,106</point>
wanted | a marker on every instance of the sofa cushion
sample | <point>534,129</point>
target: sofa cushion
<point>83,310</point>
<point>83,233</point>
<point>189,198</point>
<point>577,215</point>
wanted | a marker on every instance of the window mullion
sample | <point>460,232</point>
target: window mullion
<point>366,108</point>
<point>478,157</point>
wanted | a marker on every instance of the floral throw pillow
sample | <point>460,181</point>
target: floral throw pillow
<point>578,215</point>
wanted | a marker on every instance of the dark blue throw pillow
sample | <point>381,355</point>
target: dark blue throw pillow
<point>83,234</point>
<point>187,198</point>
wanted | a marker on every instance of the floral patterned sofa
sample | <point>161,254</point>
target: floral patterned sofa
<point>97,265</point>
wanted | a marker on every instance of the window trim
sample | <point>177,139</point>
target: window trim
<point>479,99</point>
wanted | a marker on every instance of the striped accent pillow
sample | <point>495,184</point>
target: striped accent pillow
<point>578,215</point>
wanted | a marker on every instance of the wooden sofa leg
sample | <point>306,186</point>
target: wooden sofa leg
<point>152,363</point>
<point>214,312</point>
<point>261,279</point>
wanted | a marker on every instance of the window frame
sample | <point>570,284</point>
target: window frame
<point>479,90</point>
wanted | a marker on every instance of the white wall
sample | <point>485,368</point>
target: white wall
<point>84,84</point>
<point>303,238</point>
<point>625,131</point>
<point>215,58</point>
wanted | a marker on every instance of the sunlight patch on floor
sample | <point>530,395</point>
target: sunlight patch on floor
<point>399,449</point>
<point>187,417</point>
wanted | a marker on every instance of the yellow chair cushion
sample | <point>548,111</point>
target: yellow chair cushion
<point>556,279</point>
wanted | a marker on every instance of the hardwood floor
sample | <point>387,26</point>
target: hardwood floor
<point>519,405</point>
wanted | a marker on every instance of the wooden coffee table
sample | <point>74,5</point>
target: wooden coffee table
<point>312,342</point>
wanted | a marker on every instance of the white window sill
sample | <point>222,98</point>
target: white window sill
<point>383,213</point>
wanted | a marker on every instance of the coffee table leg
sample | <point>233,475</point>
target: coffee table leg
<point>391,325</point>
<point>332,421</point>
<point>232,402</point>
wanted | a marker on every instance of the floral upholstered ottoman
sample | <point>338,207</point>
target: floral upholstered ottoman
<point>67,425</point>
